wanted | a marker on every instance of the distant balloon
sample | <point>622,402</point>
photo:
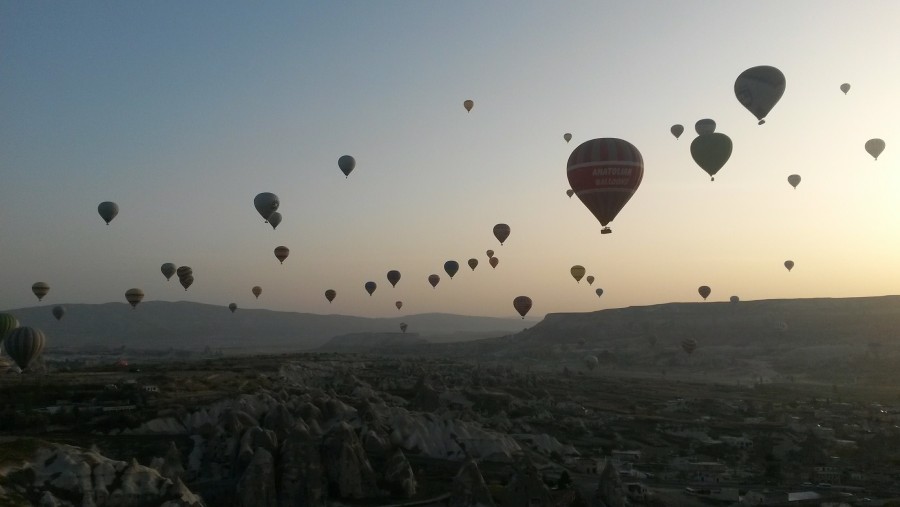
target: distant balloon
<point>468,104</point>
<point>256,290</point>
<point>789,265</point>
<point>330,294</point>
<point>689,345</point>
<point>734,299</point>
<point>577,272</point>
<point>490,253</point>
<point>281,253</point>
<point>347,164</point>
<point>705,126</point>
<point>184,271</point>
<point>590,279</point>
<point>108,210</point>
<point>522,304</point>
<point>274,220</point>
<point>605,173</point>
<point>451,267</point>
<point>794,180</point>
<point>845,88</point>
<point>399,304</point>
<point>711,151</point>
<point>759,89</point>
<point>494,261</point>
<point>704,291</point>
<point>393,276</point>
<point>134,296</point>
<point>501,232</point>
<point>58,312</point>
<point>875,147</point>
<point>570,193</point>
<point>567,136</point>
<point>370,287</point>
<point>24,345</point>
<point>433,280</point>
<point>186,281</point>
<point>677,130</point>
<point>591,362</point>
<point>599,292</point>
<point>7,323</point>
<point>168,269</point>
<point>232,307</point>
<point>403,326</point>
<point>473,263</point>
<point>266,203</point>
<point>40,290</point>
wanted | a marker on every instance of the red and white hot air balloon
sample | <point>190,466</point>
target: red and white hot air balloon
<point>605,173</point>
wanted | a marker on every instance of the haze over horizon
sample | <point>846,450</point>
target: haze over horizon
<point>182,113</point>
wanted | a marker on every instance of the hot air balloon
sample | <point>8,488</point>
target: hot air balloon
<point>845,88</point>
<point>24,345</point>
<point>473,263</point>
<point>274,220</point>
<point>451,267</point>
<point>281,253</point>
<point>7,324</point>
<point>677,130</point>
<point>393,276</point>
<point>567,136</point>
<point>591,362</point>
<point>256,290</point>
<point>266,203</point>
<point>759,89</point>
<point>570,193</point>
<point>689,345</point>
<point>184,271</point>
<point>168,269</point>
<point>794,180</point>
<point>403,326</point>
<point>330,294</point>
<point>522,304</point>
<point>58,312</point>
<point>347,164</point>
<point>704,291</point>
<point>40,290</point>
<point>468,104</point>
<point>577,272</point>
<point>108,210</point>
<point>599,292</point>
<point>186,281</point>
<point>789,265</point>
<point>490,253</point>
<point>399,304</point>
<point>605,173</point>
<point>433,280</point>
<point>734,299</point>
<point>370,287</point>
<point>494,261</point>
<point>501,232</point>
<point>711,151</point>
<point>134,296</point>
<point>875,147</point>
<point>590,279</point>
<point>705,126</point>
<point>232,307</point>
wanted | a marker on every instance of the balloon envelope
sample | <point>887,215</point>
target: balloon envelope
<point>451,267</point>
<point>7,323</point>
<point>711,151</point>
<point>40,289</point>
<point>570,193</point>
<point>845,88</point>
<point>599,292</point>
<point>403,326</point>
<point>184,271</point>
<point>577,272</point>
<point>759,89</point>
<point>108,210</point>
<point>522,304</point>
<point>605,173</point>
<point>704,291</point>
<point>875,147</point>
<point>186,281</point>
<point>567,136</point>
<point>399,304</point>
<point>789,265</point>
<point>393,277</point>
<point>734,299</point>
<point>330,294</point>
<point>494,261</point>
<point>490,253</point>
<point>232,307</point>
<point>257,290</point>
<point>134,296</point>
<point>473,263</point>
<point>24,345</point>
<point>705,126</point>
<point>58,312</point>
<point>501,232</point>
<point>468,104</point>
<point>433,280</point>
<point>794,180</point>
<point>346,163</point>
<point>677,130</point>
<point>370,287</point>
<point>168,269</point>
<point>281,253</point>
<point>274,220</point>
<point>590,279</point>
<point>689,345</point>
<point>266,203</point>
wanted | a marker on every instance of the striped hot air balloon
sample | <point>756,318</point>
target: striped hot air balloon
<point>24,345</point>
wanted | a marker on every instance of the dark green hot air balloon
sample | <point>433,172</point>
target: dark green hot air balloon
<point>7,324</point>
<point>274,220</point>
<point>370,287</point>
<point>24,345</point>
<point>58,312</point>
<point>266,203</point>
<point>711,152</point>
<point>759,89</point>
<point>393,276</point>
<point>168,269</point>
<point>346,163</point>
<point>451,267</point>
<point>108,210</point>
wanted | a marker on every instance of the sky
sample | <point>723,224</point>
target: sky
<point>181,112</point>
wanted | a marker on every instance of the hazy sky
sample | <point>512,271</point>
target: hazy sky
<point>181,112</point>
